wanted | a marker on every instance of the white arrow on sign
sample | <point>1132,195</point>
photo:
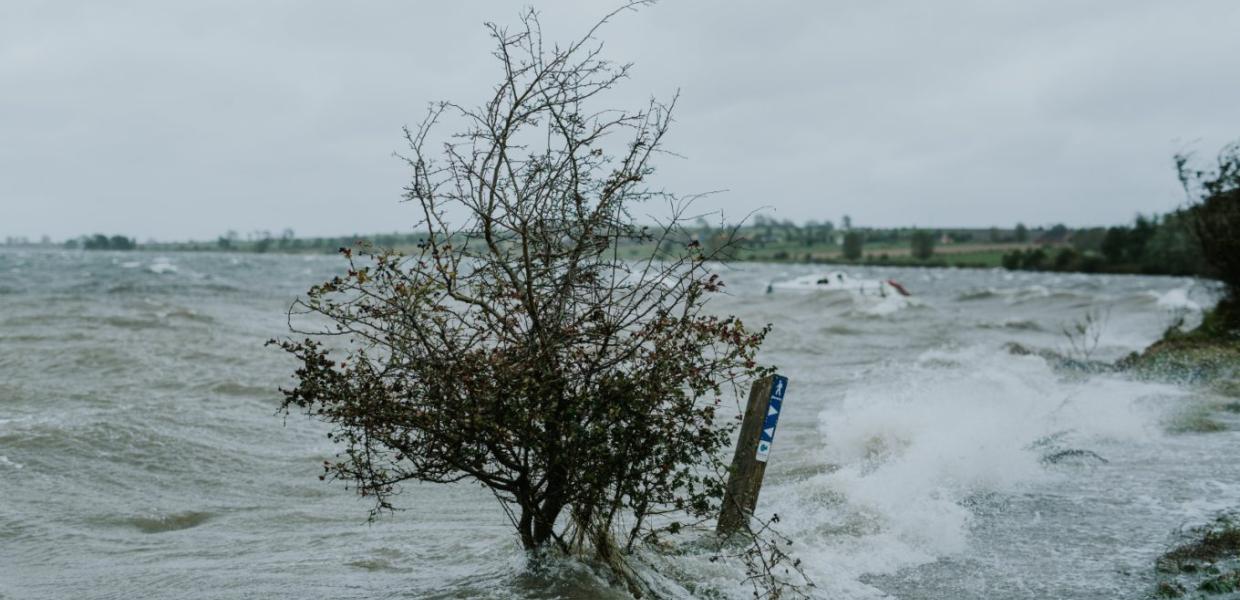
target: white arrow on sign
<point>771,410</point>
<point>769,431</point>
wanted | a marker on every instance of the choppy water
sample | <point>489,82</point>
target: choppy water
<point>140,456</point>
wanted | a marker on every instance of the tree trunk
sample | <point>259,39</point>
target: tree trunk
<point>552,506</point>
<point>525,528</point>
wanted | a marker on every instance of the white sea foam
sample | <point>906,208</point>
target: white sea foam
<point>913,445</point>
<point>1176,300</point>
<point>4,461</point>
<point>884,306</point>
<point>162,265</point>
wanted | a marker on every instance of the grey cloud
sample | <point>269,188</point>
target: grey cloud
<point>183,120</point>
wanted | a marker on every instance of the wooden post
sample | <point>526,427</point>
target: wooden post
<point>753,447</point>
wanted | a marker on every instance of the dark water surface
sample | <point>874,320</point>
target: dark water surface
<point>140,456</point>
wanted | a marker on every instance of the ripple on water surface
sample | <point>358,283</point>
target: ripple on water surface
<point>140,454</point>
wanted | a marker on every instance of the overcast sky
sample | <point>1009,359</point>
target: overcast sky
<point>176,120</point>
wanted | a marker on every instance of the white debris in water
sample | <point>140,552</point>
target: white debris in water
<point>872,297</point>
<point>1176,300</point>
<point>4,460</point>
<point>162,265</point>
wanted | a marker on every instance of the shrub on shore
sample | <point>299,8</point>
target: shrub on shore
<point>1215,215</point>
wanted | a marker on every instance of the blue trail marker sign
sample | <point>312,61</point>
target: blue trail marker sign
<point>774,404</point>
<point>753,449</point>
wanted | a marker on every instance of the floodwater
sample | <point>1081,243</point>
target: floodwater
<point>141,456</point>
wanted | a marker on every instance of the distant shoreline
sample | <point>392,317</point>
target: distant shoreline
<point>961,256</point>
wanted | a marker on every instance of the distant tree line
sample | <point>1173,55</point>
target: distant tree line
<point>102,242</point>
<point>923,244</point>
<point>1151,245</point>
<point>1202,239</point>
<point>853,242</point>
<point>763,238</point>
<point>1165,244</point>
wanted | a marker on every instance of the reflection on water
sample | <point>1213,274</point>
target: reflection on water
<point>140,456</point>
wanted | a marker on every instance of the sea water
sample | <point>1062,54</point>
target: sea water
<point>141,455</point>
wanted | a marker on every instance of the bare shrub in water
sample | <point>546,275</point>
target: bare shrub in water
<point>1085,333</point>
<point>514,348</point>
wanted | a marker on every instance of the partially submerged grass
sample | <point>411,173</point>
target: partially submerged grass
<point>1062,363</point>
<point>1209,563</point>
<point>1209,354</point>
<point>1195,420</point>
<point>1229,388</point>
<point>1219,541</point>
<point>1169,589</point>
<point>1222,584</point>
